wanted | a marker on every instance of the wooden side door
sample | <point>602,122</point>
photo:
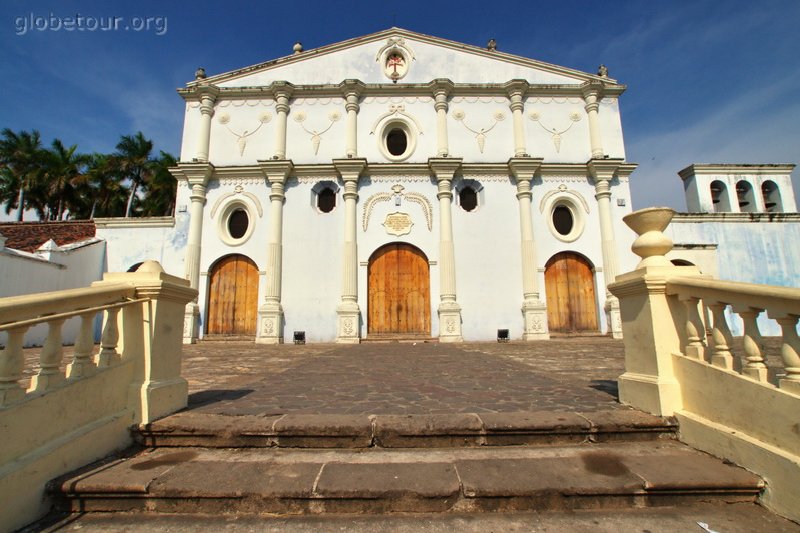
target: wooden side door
<point>233,297</point>
<point>399,291</point>
<point>571,305</point>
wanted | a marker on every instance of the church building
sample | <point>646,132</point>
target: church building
<point>395,185</point>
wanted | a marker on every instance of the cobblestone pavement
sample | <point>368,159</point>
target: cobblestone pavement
<point>574,374</point>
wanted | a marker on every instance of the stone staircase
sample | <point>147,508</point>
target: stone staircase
<point>191,463</point>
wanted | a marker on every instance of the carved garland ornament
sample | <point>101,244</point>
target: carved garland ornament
<point>480,135</point>
<point>263,118</point>
<point>316,136</point>
<point>397,192</point>
<point>574,117</point>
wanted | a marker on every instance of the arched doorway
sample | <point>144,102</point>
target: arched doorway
<point>571,303</point>
<point>399,291</point>
<point>233,297</point>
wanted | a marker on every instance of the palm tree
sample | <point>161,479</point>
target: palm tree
<point>99,190</point>
<point>62,169</point>
<point>21,158</point>
<point>133,161</point>
<point>159,198</point>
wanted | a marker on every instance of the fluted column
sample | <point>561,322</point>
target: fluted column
<point>534,311</point>
<point>603,171</point>
<point>352,90</point>
<point>270,313</point>
<point>208,95</point>
<point>592,92</point>
<point>441,89</point>
<point>516,91</point>
<point>449,310</point>
<point>197,176</point>
<point>349,327</point>
<point>282,91</point>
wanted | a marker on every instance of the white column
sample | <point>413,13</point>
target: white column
<point>603,171</point>
<point>281,90</point>
<point>348,312</point>
<point>270,314</point>
<point>516,91</point>
<point>441,89</point>
<point>352,90</point>
<point>208,95</point>
<point>534,311</point>
<point>449,310</point>
<point>591,96</point>
<point>197,176</point>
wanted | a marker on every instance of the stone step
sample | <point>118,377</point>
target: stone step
<point>190,428</point>
<point>298,481</point>
<point>391,337</point>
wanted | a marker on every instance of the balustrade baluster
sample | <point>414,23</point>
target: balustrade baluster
<point>695,347</point>
<point>82,363</point>
<point>109,339</point>
<point>49,375</point>
<point>721,335</point>
<point>754,366</point>
<point>12,363</point>
<point>789,352</point>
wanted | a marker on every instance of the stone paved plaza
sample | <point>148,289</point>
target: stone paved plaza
<point>566,374</point>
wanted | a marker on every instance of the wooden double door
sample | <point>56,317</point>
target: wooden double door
<point>233,297</point>
<point>399,291</point>
<point>571,302</point>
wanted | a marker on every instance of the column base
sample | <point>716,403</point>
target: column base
<point>348,322</point>
<point>535,315</point>
<point>613,317</point>
<point>270,324</point>
<point>161,398</point>
<point>649,393</point>
<point>450,322</point>
<point>191,319</point>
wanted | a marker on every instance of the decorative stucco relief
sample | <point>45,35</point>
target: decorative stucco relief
<point>488,177</point>
<point>565,179</point>
<point>563,189</point>
<point>574,117</point>
<point>554,100</point>
<point>242,103</point>
<point>398,195</point>
<point>480,135</point>
<point>232,182</point>
<point>481,99</point>
<point>398,110</point>
<point>241,138</point>
<point>395,58</point>
<point>396,99</point>
<point>398,223</point>
<point>316,179</point>
<point>238,190</point>
<point>317,101</point>
<point>316,136</point>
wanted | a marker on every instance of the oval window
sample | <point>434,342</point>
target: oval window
<point>468,199</point>
<point>238,223</point>
<point>326,200</point>
<point>396,142</point>
<point>562,220</point>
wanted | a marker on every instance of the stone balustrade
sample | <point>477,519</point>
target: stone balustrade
<point>679,364</point>
<point>75,413</point>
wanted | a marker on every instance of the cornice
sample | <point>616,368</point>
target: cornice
<point>400,89</point>
<point>496,55</point>
<point>756,218</point>
<point>722,168</point>
<point>148,222</point>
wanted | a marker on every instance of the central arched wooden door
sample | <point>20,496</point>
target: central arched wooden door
<point>571,303</point>
<point>233,297</point>
<point>399,291</point>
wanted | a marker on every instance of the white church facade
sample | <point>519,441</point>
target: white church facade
<point>395,185</point>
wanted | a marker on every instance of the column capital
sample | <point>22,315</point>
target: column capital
<point>276,170</point>
<point>352,87</point>
<point>524,168</point>
<point>195,173</point>
<point>516,89</point>
<point>592,90</point>
<point>281,89</point>
<point>443,168</point>
<point>604,169</point>
<point>441,87</point>
<point>207,90</point>
<point>350,169</point>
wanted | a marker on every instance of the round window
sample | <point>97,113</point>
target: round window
<point>563,221</point>
<point>238,223</point>
<point>396,142</point>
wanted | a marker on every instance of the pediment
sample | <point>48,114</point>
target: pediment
<point>417,59</point>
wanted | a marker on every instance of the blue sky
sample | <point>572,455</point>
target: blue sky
<point>708,81</point>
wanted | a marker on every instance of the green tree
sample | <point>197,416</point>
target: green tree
<point>62,169</point>
<point>134,162</point>
<point>159,197</point>
<point>21,162</point>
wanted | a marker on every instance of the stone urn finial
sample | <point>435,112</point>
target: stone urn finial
<point>200,73</point>
<point>652,244</point>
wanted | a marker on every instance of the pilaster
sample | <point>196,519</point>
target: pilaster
<point>281,91</point>
<point>516,92</point>
<point>197,176</point>
<point>270,313</point>
<point>207,95</point>
<point>592,93</point>
<point>349,314</point>
<point>449,311</point>
<point>441,89</point>
<point>534,311</point>
<point>352,91</point>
